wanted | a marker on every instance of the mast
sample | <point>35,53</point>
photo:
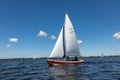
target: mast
<point>64,41</point>
<point>64,46</point>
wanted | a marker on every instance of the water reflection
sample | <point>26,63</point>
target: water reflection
<point>65,72</point>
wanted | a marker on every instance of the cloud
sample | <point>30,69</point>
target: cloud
<point>79,41</point>
<point>116,36</point>
<point>13,40</point>
<point>8,45</point>
<point>42,34</point>
<point>53,37</point>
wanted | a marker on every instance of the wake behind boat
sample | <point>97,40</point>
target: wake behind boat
<point>66,46</point>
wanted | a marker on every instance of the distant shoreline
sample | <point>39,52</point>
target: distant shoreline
<point>102,56</point>
<point>46,57</point>
<point>22,58</point>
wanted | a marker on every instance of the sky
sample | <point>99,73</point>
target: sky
<point>30,28</point>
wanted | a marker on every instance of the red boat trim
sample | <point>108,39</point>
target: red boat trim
<point>55,62</point>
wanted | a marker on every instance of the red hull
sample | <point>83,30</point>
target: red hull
<point>55,62</point>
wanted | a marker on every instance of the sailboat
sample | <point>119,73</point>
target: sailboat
<point>102,55</point>
<point>66,45</point>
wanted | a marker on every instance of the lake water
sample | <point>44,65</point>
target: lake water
<point>107,68</point>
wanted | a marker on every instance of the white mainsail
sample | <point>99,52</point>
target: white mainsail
<point>72,48</point>
<point>66,43</point>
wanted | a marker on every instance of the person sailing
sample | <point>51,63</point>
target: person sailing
<point>67,58</point>
<point>76,59</point>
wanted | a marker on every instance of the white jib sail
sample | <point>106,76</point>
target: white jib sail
<point>71,45</point>
<point>58,48</point>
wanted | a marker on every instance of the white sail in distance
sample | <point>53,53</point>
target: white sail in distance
<point>66,43</point>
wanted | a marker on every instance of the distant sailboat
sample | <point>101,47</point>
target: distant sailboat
<point>66,45</point>
<point>102,55</point>
<point>35,56</point>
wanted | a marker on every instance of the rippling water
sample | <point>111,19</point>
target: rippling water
<point>94,69</point>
